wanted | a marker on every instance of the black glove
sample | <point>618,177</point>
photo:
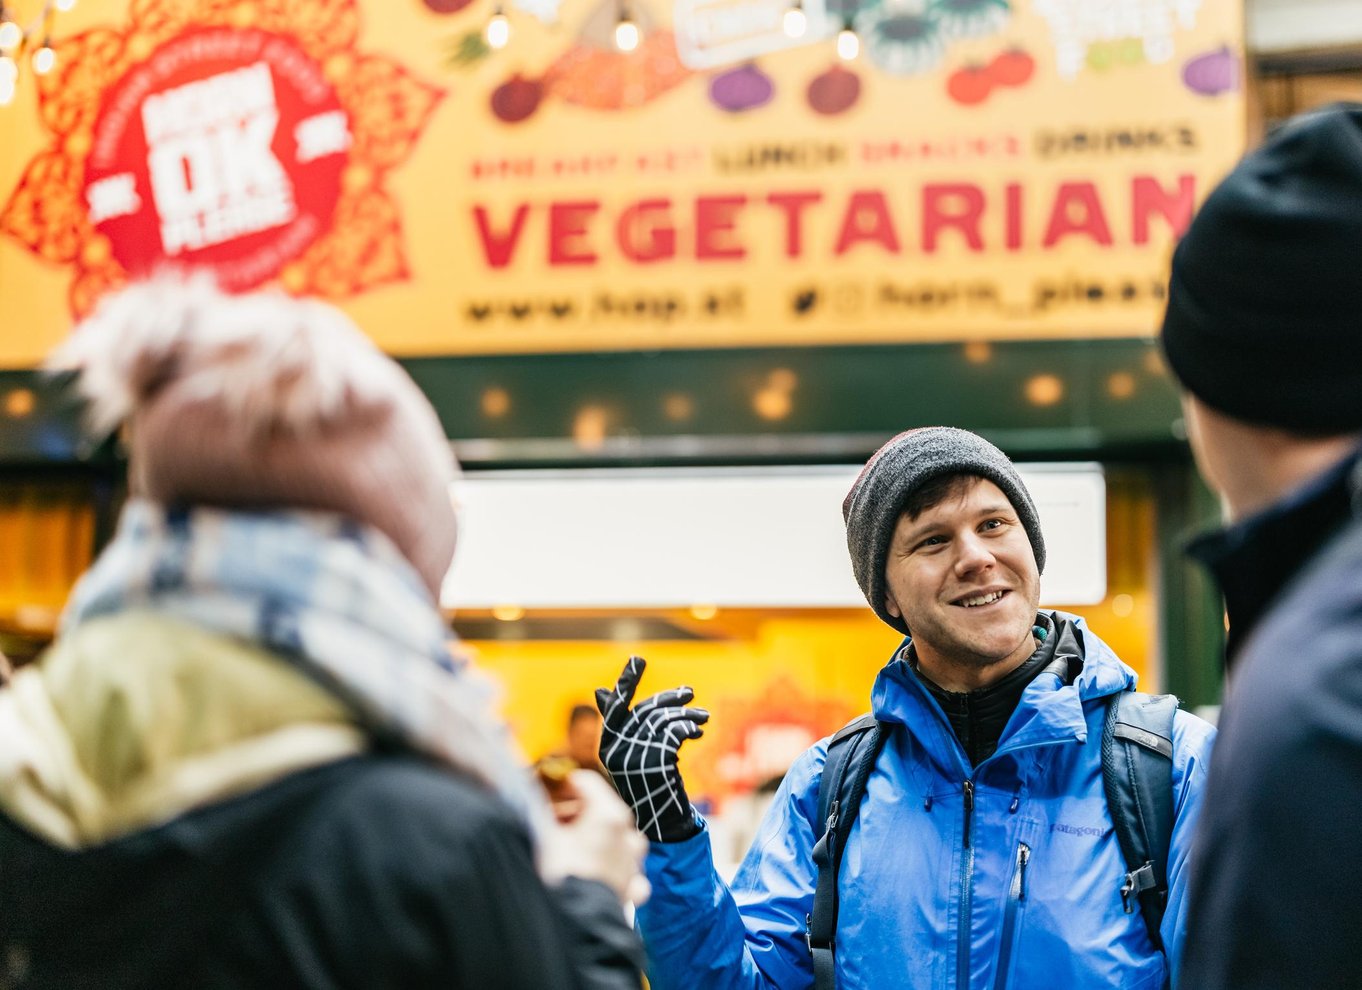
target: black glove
<point>639,747</point>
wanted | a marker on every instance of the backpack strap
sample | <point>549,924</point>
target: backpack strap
<point>851,756</point>
<point>1137,773</point>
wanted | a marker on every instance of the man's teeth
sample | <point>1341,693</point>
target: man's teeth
<point>992,596</point>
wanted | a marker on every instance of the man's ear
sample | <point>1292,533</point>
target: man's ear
<point>891,606</point>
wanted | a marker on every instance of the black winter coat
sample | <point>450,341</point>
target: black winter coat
<point>373,872</point>
<point>1278,862</point>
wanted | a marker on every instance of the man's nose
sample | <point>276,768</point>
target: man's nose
<point>972,554</point>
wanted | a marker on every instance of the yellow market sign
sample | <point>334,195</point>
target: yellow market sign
<point>980,168</point>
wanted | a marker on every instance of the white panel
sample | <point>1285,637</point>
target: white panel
<point>735,538</point>
<point>714,33</point>
<point>1285,25</point>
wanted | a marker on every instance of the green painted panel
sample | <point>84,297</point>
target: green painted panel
<point>1061,398</point>
<point>39,421</point>
<point>1035,398</point>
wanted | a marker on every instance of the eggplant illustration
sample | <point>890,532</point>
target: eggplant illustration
<point>1212,73</point>
<point>740,89</point>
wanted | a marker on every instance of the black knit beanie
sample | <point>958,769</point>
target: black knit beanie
<point>872,508</point>
<point>1264,318</point>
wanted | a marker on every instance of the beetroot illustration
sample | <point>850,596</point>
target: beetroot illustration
<point>834,91</point>
<point>741,89</point>
<point>1212,73</point>
<point>516,99</point>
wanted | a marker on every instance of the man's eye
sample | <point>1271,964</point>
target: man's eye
<point>993,524</point>
<point>932,541</point>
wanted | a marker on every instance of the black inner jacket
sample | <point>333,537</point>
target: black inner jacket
<point>979,717</point>
<point>1257,557</point>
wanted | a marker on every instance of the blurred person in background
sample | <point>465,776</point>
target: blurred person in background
<point>984,853</point>
<point>1262,331</point>
<point>250,758</point>
<point>583,745</point>
<point>557,770</point>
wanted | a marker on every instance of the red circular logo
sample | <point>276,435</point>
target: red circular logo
<point>223,150</point>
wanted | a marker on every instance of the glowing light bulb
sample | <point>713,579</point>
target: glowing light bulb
<point>848,44</point>
<point>64,5</point>
<point>626,34</point>
<point>10,35</point>
<point>43,60</point>
<point>498,30</point>
<point>795,22</point>
<point>9,77</point>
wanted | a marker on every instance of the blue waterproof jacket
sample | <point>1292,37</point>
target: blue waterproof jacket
<point>1021,892</point>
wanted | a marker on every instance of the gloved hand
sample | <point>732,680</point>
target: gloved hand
<point>639,747</point>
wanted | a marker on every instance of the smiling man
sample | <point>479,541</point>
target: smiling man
<point>984,854</point>
<point>961,572</point>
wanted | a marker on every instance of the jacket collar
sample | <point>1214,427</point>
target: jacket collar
<point>1254,559</point>
<point>133,719</point>
<point>1050,711</point>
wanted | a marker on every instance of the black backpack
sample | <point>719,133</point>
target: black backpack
<point>1137,774</point>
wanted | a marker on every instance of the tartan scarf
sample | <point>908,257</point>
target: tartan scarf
<point>332,597</point>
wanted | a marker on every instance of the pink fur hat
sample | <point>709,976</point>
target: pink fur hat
<point>265,401</point>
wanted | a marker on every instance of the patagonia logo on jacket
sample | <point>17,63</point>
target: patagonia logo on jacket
<point>1078,829</point>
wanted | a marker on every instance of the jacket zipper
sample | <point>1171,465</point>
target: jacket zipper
<point>969,810</point>
<point>1016,896</point>
<point>962,938</point>
<point>966,885</point>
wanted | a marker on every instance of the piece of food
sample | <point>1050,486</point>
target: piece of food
<point>834,91</point>
<point>516,99</point>
<point>447,6</point>
<point>1012,67</point>
<point>555,774</point>
<point>468,50</point>
<point>744,88</point>
<point>607,79</point>
<point>969,86</point>
<point>900,43</point>
<point>969,18</point>
<point>1212,73</point>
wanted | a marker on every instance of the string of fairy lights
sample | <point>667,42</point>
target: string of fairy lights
<point>29,43</point>
<point>497,32</point>
<point>795,23</point>
<point>33,43</point>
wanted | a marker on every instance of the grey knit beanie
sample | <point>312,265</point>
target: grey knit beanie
<point>872,508</point>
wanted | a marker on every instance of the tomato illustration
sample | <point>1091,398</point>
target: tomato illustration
<point>1012,67</point>
<point>447,6</point>
<point>969,85</point>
